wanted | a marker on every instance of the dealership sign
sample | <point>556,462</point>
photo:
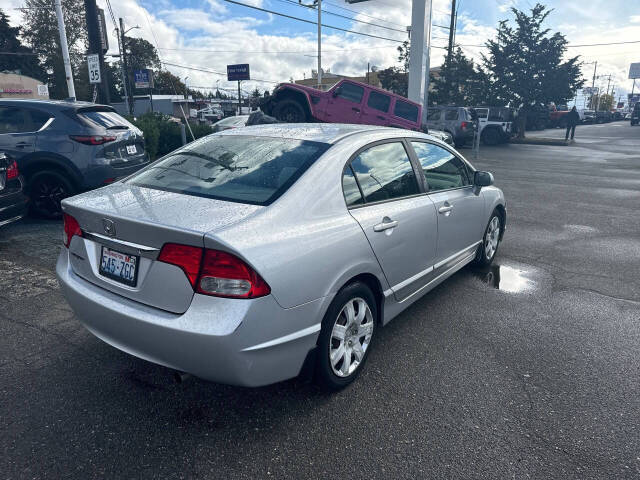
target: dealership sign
<point>238,72</point>
<point>143,78</point>
<point>19,91</point>
<point>634,70</point>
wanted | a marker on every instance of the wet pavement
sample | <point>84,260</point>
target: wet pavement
<point>528,369</point>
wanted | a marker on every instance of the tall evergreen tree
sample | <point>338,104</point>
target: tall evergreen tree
<point>23,61</point>
<point>43,38</point>
<point>460,83</point>
<point>526,64</point>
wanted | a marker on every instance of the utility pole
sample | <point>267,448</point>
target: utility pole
<point>419,55</point>
<point>65,51</point>
<point>123,66</point>
<point>319,4</point>
<point>452,29</point>
<point>595,69</point>
<point>95,45</point>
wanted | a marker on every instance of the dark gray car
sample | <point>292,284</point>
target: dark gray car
<point>63,148</point>
<point>456,121</point>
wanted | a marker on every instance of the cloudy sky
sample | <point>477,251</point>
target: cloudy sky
<point>210,34</point>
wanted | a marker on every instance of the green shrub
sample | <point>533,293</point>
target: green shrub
<point>162,135</point>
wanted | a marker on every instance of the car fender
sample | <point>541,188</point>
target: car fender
<point>34,162</point>
<point>291,90</point>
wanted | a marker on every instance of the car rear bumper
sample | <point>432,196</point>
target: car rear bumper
<point>103,174</point>
<point>13,206</point>
<point>239,342</point>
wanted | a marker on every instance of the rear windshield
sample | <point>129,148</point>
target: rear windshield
<point>95,117</point>
<point>236,168</point>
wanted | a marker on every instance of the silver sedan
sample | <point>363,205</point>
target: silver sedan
<point>254,255</point>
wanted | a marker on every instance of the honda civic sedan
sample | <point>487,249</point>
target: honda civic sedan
<point>255,255</point>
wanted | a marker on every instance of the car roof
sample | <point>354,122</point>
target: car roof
<point>320,132</point>
<point>34,102</point>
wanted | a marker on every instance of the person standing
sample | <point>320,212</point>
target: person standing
<point>573,118</point>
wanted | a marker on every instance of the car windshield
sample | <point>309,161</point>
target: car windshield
<point>238,168</point>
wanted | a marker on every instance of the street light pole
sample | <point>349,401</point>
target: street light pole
<point>319,5</point>
<point>65,50</point>
<point>419,54</point>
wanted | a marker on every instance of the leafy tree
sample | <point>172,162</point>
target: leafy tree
<point>395,79</point>
<point>605,104</point>
<point>166,83</point>
<point>460,83</point>
<point>141,54</point>
<point>10,42</point>
<point>43,38</point>
<point>526,64</point>
<point>255,93</point>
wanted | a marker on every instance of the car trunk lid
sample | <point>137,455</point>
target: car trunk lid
<point>136,222</point>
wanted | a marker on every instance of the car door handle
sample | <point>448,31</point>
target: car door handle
<point>355,109</point>
<point>446,208</point>
<point>22,145</point>
<point>385,225</point>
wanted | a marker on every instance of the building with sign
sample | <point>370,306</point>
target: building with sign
<point>15,86</point>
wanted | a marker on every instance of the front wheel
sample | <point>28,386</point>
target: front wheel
<point>346,336</point>
<point>289,111</point>
<point>490,241</point>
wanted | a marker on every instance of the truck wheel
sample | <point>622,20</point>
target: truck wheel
<point>290,111</point>
<point>490,136</point>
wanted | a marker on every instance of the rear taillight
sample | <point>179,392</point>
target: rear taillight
<point>184,256</point>
<point>71,228</point>
<point>92,139</point>
<point>225,275</point>
<point>12,171</point>
<point>216,273</point>
<point>463,125</point>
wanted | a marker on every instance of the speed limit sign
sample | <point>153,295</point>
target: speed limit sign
<point>93,62</point>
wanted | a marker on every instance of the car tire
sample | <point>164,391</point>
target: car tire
<point>337,362</point>
<point>47,189</point>
<point>490,241</point>
<point>490,136</point>
<point>290,111</point>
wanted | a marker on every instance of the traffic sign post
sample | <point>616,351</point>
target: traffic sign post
<point>93,63</point>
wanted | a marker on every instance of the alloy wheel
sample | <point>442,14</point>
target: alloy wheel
<point>47,194</point>
<point>491,238</point>
<point>350,337</point>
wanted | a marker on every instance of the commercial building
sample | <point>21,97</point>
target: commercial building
<point>15,86</point>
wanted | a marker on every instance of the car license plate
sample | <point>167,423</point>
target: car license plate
<point>131,149</point>
<point>119,266</point>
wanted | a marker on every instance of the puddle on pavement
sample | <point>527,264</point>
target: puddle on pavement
<point>505,278</point>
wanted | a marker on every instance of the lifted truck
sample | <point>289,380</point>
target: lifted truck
<point>346,102</point>
<point>495,124</point>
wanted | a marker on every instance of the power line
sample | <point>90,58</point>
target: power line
<point>328,12</point>
<point>602,44</point>
<point>311,22</point>
<point>363,14</point>
<point>275,52</point>
<point>200,69</point>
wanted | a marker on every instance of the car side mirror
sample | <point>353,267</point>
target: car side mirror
<point>482,179</point>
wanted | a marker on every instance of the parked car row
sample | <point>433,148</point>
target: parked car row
<point>63,148</point>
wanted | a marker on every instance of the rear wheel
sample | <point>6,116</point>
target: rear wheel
<point>290,111</point>
<point>346,336</point>
<point>490,241</point>
<point>490,136</point>
<point>47,189</point>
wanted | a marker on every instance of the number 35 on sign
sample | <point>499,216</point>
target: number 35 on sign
<point>93,62</point>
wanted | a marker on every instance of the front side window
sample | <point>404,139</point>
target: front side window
<point>406,110</point>
<point>350,92</point>
<point>442,169</point>
<point>379,101</point>
<point>385,172</point>
<point>236,168</point>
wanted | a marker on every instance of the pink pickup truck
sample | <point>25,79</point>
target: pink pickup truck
<point>346,102</point>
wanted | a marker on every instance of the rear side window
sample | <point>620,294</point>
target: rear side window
<point>103,118</point>
<point>379,101</point>
<point>21,120</point>
<point>451,115</point>
<point>385,172</point>
<point>350,188</point>
<point>236,168</point>
<point>406,110</point>
<point>351,92</point>
<point>442,169</point>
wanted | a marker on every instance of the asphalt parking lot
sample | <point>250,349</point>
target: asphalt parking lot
<point>529,370</point>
